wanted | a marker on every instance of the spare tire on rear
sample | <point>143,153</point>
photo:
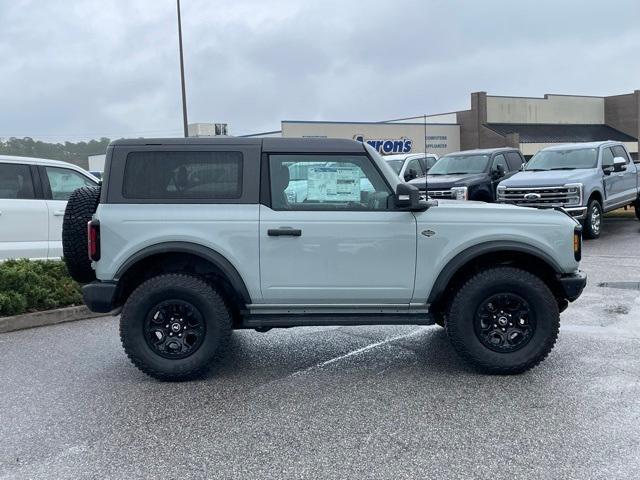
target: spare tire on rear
<point>80,208</point>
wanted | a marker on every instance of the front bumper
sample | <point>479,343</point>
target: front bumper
<point>579,213</point>
<point>100,296</point>
<point>573,284</point>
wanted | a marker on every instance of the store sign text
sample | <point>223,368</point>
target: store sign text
<point>387,146</point>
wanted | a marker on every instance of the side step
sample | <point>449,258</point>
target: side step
<point>266,321</point>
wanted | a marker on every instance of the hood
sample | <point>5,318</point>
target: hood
<point>547,179</point>
<point>440,182</point>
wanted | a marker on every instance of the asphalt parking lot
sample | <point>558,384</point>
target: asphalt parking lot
<point>341,402</point>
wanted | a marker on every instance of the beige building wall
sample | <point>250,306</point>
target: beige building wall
<point>550,109</point>
<point>440,139</point>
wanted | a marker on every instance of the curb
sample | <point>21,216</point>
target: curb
<point>47,317</point>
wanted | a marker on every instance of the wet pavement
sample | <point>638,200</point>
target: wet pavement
<point>340,402</point>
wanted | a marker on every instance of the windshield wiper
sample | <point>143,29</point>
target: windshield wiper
<point>535,170</point>
<point>457,173</point>
<point>563,168</point>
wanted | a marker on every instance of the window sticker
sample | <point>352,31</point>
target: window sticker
<point>334,184</point>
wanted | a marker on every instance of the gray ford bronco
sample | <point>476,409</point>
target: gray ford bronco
<point>190,239</point>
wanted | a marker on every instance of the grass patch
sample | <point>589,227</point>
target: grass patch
<point>34,285</point>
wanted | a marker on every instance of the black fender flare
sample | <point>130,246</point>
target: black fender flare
<point>471,253</point>
<point>192,248</point>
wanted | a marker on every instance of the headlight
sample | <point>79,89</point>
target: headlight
<point>459,193</point>
<point>574,194</point>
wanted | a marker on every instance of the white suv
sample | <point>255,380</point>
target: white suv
<point>33,197</point>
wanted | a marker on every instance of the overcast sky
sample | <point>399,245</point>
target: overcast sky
<point>79,69</point>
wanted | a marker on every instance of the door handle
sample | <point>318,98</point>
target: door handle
<point>58,213</point>
<point>285,231</point>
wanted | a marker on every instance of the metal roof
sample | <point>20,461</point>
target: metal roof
<point>561,133</point>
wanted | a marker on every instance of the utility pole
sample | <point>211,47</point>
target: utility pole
<point>184,94</point>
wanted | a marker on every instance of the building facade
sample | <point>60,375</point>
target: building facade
<point>527,123</point>
<point>532,123</point>
<point>388,138</point>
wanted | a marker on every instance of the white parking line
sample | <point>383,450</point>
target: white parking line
<point>358,351</point>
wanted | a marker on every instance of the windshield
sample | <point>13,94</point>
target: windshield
<point>448,165</point>
<point>563,159</point>
<point>396,165</point>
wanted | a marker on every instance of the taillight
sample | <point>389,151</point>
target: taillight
<point>93,240</point>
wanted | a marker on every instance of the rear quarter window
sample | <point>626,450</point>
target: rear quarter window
<point>165,175</point>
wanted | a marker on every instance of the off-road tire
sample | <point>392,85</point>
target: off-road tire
<point>636,207</point>
<point>204,297</point>
<point>588,230</point>
<point>463,310</point>
<point>80,208</point>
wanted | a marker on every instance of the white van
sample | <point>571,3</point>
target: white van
<point>33,196</point>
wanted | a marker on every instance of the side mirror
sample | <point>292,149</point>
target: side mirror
<point>498,172</point>
<point>410,175</point>
<point>408,198</point>
<point>619,164</point>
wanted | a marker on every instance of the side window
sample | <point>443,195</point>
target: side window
<point>499,160</point>
<point>514,160</point>
<point>326,182</point>
<point>414,164</point>
<point>607,158</point>
<point>619,151</point>
<point>15,181</point>
<point>64,181</point>
<point>183,175</point>
<point>430,162</point>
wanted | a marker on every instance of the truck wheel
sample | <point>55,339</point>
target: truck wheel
<point>503,321</point>
<point>80,208</point>
<point>636,207</point>
<point>593,222</point>
<point>174,326</point>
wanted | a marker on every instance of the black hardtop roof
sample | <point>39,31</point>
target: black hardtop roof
<point>483,151</point>
<point>274,144</point>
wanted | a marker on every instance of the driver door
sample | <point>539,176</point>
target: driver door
<point>338,240</point>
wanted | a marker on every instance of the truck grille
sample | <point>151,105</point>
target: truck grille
<point>539,196</point>
<point>439,193</point>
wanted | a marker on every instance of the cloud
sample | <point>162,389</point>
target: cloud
<point>83,69</point>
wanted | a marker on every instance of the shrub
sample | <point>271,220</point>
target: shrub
<point>32,285</point>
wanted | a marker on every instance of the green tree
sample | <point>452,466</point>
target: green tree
<point>75,153</point>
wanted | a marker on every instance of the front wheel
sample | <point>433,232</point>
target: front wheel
<point>173,327</point>
<point>636,207</point>
<point>593,221</point>
<point>503,321</point>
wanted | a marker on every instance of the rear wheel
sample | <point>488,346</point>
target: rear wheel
<point>593,222</point>
<point>636,207</point>
<point>503,321</point>
<point>173,327</point>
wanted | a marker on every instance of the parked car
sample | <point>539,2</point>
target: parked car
<point>470,175</point>
<point>586,179</point>
<point>33,197</point>
<point>409,166</point>
<point>187,261</point>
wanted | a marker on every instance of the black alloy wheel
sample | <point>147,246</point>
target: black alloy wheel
<point>504,322</point>
<point>174,329</point>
